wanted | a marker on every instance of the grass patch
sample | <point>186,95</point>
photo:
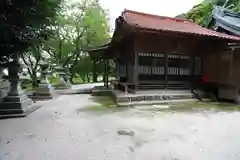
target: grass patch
<point>104,101</point>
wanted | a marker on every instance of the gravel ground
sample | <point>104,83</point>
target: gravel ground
<point>66,129</point>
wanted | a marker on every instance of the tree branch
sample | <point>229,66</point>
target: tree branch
<point>77,51</point>
<point>49,52</point>
<point>25,62</point>
<point>38,58</point>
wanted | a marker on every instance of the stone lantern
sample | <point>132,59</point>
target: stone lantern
<point>16,103</point>
<point>45,89</point>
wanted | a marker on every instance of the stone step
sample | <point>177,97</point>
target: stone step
<point>162,97</point>
<point>144,103</point>
<point>16,113</point>
<point>162,86</point>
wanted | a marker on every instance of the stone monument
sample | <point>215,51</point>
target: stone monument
<point>45,89</point>
<point>16,103</point>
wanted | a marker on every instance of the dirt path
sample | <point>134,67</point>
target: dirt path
<point>64,130</point>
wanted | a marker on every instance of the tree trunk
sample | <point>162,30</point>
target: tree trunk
<point>71,79</point>
<point>83,77</point>
<point>34,80</point>
<point>88,78</point>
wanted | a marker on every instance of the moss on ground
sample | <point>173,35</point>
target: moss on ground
<point>200,106</point>
<point>192,107</point>
<point>103,104</point>
<point>104,101</point>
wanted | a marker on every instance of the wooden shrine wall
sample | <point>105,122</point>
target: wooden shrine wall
<point>152,50</point>
<point>152,66</point>
<point>229,68</point>
<point>222,67</point>
<point>145,42</point>
<point>210,66</point>
<point>224,62</point>
<point>125,60</point>
<point>235,74</point>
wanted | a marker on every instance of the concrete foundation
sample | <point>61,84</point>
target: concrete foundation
<point>229,93</point>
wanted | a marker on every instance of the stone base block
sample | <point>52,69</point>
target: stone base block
<point>62,87</point>
<point>16,106</point>
<point>44,97</point>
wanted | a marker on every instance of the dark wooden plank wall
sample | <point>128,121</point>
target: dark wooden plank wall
<point>126,58</point>
<point>162,44</point>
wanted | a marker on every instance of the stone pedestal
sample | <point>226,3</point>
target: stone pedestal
<point>16,103</point>
<point>45,90</point>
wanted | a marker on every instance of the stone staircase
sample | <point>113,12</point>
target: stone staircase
<point>158,97</point>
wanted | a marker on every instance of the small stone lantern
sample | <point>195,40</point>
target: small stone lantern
<point>45,89</point>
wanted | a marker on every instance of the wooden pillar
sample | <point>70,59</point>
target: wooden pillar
<point>94,71</point>
<point>166,71</point>
<point>107,72</point>
<point>230,66</point>
<point>135,71</point>
<point>192,68</point>
<point>117,70</point>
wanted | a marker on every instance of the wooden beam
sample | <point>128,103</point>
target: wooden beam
<point>230,66</point>
<point>117,65</point>
<point>192,67</point>
<point>135,67</point>
<point>94,71</point>
<point>107,72</point>
<point>105,76</point>
<point>166,70</point>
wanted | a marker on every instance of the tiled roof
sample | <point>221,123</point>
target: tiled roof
<point>155,22</point>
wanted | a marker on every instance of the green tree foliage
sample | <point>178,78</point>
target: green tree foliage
<point>32,59</point>
<point>21,21</point>
<point>83,26</point>
<point>201,13</point>
<point>77,28</point>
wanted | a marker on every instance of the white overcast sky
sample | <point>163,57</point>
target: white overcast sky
<point>160,7</point>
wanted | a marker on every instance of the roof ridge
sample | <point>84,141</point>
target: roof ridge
<point>158,16</point>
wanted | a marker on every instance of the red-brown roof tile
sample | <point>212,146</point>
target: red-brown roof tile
<point>149,21</point>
